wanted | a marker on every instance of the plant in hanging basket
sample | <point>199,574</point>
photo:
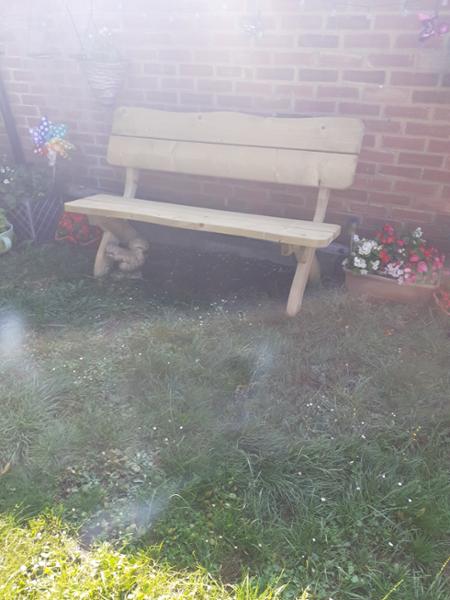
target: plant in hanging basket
<point>391,266</point>
<point>103,65</point>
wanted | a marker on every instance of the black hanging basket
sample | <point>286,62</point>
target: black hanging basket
<point>105,78</point>
<point>37,220</point>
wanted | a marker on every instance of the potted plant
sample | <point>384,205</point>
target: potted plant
<point>104,66</point>
<point>6,233</point>
<point>392,266</point>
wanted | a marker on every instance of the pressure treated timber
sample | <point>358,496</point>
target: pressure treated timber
<point>274,229</point>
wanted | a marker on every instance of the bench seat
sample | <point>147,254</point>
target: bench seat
<point>291,232</point>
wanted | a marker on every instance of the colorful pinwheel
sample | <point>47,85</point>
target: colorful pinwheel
<point>49,140</point>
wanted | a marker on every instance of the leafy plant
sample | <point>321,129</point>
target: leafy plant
<point>101,46</point>
<point>23,183</point>
<point>4,224</point>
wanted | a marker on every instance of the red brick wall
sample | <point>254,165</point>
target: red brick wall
<point>316,57</point>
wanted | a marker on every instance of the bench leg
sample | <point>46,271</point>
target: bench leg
<point>305,260</point>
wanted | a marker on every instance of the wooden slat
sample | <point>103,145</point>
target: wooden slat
<point>285,231</point>
<point>295,167</point>
<point>322,134</point>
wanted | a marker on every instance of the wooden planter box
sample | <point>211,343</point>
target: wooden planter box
<point>383,289</point>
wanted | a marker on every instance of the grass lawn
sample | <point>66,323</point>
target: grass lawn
<point>159,449</point>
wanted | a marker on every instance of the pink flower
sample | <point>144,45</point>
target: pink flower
<point>414,258</point>
<point>422,267</point>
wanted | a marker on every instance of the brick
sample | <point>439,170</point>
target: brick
<point>396,171</point>
<point>374,210</point>
<point>301,59</point>
<point>212,55</point>
<point>340,60</point>
<point>159,69</point>
<point>334,91</point>
<point>254,87</point>
<point>441,114</point>
<point>179,83</point>
<point>415,188</point>
<point>162,97</point>
<point>439,131</point>
<point>389,198</point>
<point>410,40</point>
<point>436,176</point>
<point>375,184</point>
<point>439,146</point>
<point>403,143</point>
<point>421,160</point>
<point>382,126</point>
<point>234,101</point>
<point>215,85</point>
<point>357,108</point>
<point>367,40</point>
<point>390,60</point>
<point>196,99</point>
<point>382,94</point>
<point>317,75</point>
<point>196,70</point>
<point>272,104</point>
<point>298,90</point>
<point>396,22</point>
<point>376,156</point>
<point>431,96</point>
<point>296,22</point>
<point>173,54</point>
<point>317,40</point>
<point>416,216</point>
<point>228,71</point>
<point>365,76</point>
<point>340,22</point>
<point>406,112</point>
<point>414,79</point>
<point>272,40</point>
<point>275,73</point>
<point>314,107</point>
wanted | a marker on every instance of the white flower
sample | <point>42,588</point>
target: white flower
<point>356,237</point>
<point>367,247</point>
<point>364,271</point>
<point>418,233</point>
<point>359,262</point>
<point>375,265</point>
<point>6,181</point>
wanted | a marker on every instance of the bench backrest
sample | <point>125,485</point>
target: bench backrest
<point>315,152</point>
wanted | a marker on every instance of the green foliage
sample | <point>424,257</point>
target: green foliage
<point>23,183</point>
<point>4,224</point>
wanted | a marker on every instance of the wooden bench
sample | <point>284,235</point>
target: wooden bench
<point>313,152</point>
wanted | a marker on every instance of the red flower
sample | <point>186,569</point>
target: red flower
<point>384,257</point>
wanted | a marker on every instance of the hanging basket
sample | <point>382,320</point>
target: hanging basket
<point>105,78</point>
